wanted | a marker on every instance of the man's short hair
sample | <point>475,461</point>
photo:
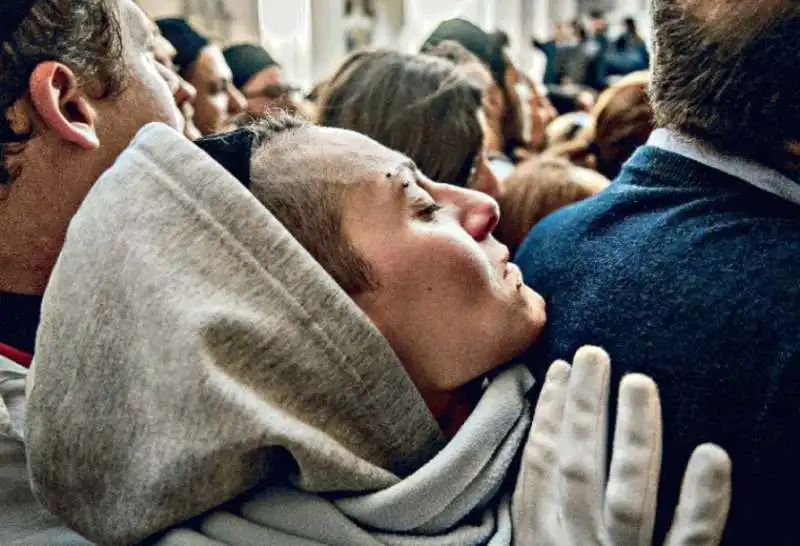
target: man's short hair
<point>85,35</point>
<point>726,73</point>
<point>310,204</point>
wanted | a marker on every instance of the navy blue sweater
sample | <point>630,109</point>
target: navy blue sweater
<point>692,277</point>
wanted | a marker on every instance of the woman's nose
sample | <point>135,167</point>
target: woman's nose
<point>478,212</point>
<point>185,93</point>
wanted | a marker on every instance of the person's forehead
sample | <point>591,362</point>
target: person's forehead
<point>271,75</point>
<point>216,66</point>
<point>340,143</point>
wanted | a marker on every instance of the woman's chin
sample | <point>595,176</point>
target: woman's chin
<point>535,309</point>
<point>535,305</point>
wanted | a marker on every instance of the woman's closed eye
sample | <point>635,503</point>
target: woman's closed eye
<point>429,211</point>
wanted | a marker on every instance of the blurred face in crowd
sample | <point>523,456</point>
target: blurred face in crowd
<point>441,289</point>
<point>483,178</point>
<point>513,120</point>
<point>218,101</point>
<point>78,132</point>
<point>537,113</point>
<point>599,24</point>
<point>183,92</point>
<point>503,112</point>
<point>267,91</point>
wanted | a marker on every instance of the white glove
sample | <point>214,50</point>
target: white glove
<point>561,497</point>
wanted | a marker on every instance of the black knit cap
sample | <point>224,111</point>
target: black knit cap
<point>12,13</point>
<point>488,47</point>
<point>232,150</point>
<point>247,60</point>
<point>186,40</point>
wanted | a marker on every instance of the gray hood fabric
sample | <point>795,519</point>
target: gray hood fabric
<point>191,350</point>
<point>23,521</point>
<point>460,498</point>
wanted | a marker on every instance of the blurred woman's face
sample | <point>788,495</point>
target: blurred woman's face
<point>513,121</point>
<point>537,113</point>
<point>446,297</point>
<point>183,92</point>
<point>218,101</point>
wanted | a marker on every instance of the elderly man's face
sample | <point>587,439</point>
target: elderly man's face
<point>146,97</point>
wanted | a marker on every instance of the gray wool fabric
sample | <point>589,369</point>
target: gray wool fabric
<point>460,498</point>
<point>190,349</point>
<point>23,521</point>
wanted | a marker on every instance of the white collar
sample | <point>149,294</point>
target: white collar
<point>751,172</point>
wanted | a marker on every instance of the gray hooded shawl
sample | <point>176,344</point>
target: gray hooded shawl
<point>191,350</point>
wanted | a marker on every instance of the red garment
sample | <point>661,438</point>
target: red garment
<point>20,357</point>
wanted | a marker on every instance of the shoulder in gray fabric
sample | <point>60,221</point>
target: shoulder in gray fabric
<point>191,348</point>
<point>23,521</point>
<point>455,499</point>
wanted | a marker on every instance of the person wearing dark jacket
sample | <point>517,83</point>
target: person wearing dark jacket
<point>629,52</point>
<point>693,253</point>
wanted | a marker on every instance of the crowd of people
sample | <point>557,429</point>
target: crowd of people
<point>386,311</point>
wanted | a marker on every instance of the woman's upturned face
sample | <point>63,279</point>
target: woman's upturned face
<point>447,298</point>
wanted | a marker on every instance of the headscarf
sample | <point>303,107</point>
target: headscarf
<point>247,60</point>
<point>186,40</point>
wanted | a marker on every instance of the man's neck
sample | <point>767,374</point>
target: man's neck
<point>28,254</point>
<point>19,278</point>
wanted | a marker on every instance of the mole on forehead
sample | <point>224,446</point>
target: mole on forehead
<point>404,173</point>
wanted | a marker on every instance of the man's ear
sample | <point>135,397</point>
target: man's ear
<point>62,106</point>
